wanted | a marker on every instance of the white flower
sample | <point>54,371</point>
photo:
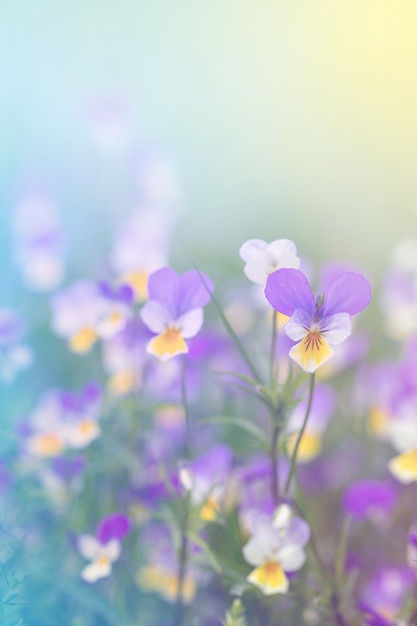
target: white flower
<point>263,258</point>
<point>274,552</point>
<point>101,556</point>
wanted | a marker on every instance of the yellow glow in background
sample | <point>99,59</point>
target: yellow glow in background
<point>286,117</point>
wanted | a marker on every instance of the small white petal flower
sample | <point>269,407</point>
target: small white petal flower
<point>262,258</point>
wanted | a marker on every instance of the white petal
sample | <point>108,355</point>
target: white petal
<point>95,571</point>
<point>190,323</point>
<point>112,549</point>
<point>251,247</point>
<point>254,552</point>
<point>281,246</point>
<point>291,558</point>
<point>155,316</point>
<point>282,253</point>
<point>298,325</point>
<point>89,546</point>
<point>258,268</point>
<point>336,328</point>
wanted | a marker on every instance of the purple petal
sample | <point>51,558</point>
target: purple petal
<point>91,393</point>
<point>114,526</point>
<point>214,464</point>
<point>288,290</point>
<point>350,293</point>
<point>164,286</point>
<point>196,290</point>
<point>366,497</point>
<point>11,326</point>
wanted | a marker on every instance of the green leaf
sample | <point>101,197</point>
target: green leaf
<point>206,550</point>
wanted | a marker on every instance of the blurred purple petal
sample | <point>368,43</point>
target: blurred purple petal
<point>368,498</point>
<point>164,286</point>
<point>287,290</point>
<point>114,526</point>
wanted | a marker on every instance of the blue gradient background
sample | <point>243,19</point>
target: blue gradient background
<point>285,118</point>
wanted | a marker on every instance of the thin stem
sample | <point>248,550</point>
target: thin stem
<point>231,332</point>
<point>300,435</point>
<point>187,434</point>
<point>179,610</point>
<point>273,347</point>
<point>274,459</point>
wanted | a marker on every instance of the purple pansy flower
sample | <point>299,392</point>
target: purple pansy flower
<point>174,310</point>
<point>105,548</point>
<point>316,324</point>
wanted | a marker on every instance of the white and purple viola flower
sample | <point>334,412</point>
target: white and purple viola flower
<point>275,550</point>
<point>105,548</point>
<point>174,310</point>
<point>316,324</point>
<point>205,477</point>
<point>63,420</point>
<point>86,311</point>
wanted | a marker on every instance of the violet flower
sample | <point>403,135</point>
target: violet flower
<point>174,310</point>
<point>104,548</point>
<point>317,324</point>
<point>275,552</point>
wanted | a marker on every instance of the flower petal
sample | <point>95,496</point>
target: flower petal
<point>298,325</point>
<point>112,550</point>
<point>270,578</point>
<point>168,344</point>
<point>336,328</point>
<point>156,317</point>
<point>190,323</point>
<point>114,526</point>
<point>257,269</point>
<point>251,247</point>
<point>291,557</point>
<point>96,570</point>
<point>310,353</point>
<point>404,467</point>
<point>88,546</point>
<point>349,293</point>
<point>196,290</point>
<point>287,290</point>
<point>255,552</point>
<point>164,286</point>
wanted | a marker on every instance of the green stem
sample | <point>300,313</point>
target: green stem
<point>187,434</point>
<point>274,459</point>
<point>273,348</point>
<point>179,609</point>
<point>231,332</point>
<point>300,435</point>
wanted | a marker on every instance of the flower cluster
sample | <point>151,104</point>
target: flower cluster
<point>246,452</point>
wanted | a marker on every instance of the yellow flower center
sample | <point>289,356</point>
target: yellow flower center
<point>167,344</point>
<point>82,341</point>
